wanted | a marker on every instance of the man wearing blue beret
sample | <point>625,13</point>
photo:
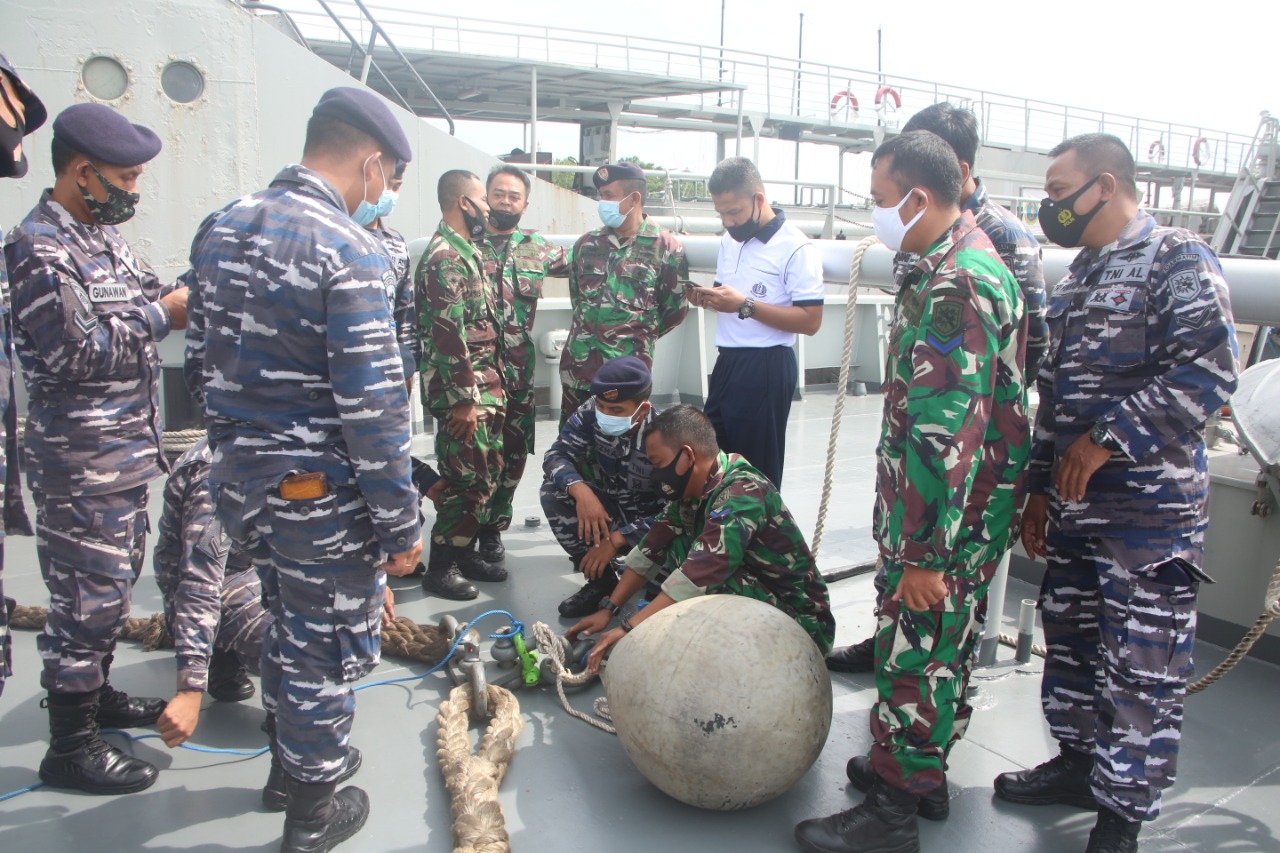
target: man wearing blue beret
<point>88,314</point>
<point>293,347</point>
<point>20,113</point>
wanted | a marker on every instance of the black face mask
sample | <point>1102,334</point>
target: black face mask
<point>476,223</point>
<point>500,220</point>
<point>120,205</point>
<point>1060,222</point>
<point>744,232</point>
<point>667,483</point>
<point>10,139</point>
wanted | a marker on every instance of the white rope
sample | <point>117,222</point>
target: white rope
<point>842,385</point>
<point>550,646</point>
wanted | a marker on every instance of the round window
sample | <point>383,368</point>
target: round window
<point>105,78</point>
<point>182,82</point>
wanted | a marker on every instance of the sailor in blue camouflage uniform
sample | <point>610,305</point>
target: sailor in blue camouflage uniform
<point>88,314</point>
<point>20,113</point>
<point>397,250</point>
<point>1144,351</point>
<point>212,598</point>
<point>293,344</point>
<point>1021,253</point>
<point>599,495</point>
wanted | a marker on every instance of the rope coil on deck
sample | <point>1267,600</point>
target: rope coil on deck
<point>550,646</point>
<point>1268,615</point>
<point>473,779</point>
<point>402,638</point>
<point>842,385</point>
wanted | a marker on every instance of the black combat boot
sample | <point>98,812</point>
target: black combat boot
<point>79,758</point>
<point>586,600</point>
<point>491,548</point>
<point>117,710</point>
<point>275,796</point>
<point>317,819</point>
<point>884,823</point>
<point>443,578</point>
<point>474,567</point>
<point>228,679</point>
<point>1113,833</point>
<point>860,657</point>
<point>935,805</point>
<point>1060,780</point>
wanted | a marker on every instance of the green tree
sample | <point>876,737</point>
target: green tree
<point>564,179</point>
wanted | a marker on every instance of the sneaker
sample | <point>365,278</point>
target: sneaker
<point>935,805</point>
<point>860,657</point>
<point>586,600</point>
<point>1063,780</point>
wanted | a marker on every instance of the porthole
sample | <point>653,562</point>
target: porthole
<point>182,82</point>
<point>105,78</point>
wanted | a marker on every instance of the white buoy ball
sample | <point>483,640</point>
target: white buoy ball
<point>723,702</point>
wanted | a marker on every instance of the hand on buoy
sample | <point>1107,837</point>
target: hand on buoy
<point>920,588</point>
<point>603,643</point>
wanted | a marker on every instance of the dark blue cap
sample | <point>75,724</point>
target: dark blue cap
<point>617,172</point>
<point>367,112</point>
<point>100,132</point>
<point>620,379</point>
<point>35,113</point>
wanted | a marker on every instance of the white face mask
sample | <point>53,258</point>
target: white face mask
<point>888,223</point>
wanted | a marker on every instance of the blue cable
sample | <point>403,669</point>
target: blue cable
<point>517,627</point>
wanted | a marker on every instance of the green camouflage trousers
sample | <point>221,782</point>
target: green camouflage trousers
<point>471,472</point>
<point>517,444</point>
<point>922,666</point>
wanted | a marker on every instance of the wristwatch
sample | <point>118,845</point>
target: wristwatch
<point>1103,438</point>
<point>747,308</point>
<point>607,604</point>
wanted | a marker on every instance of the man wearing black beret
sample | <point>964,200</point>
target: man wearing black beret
<point>626,285</point>
<point>20,113</point>
<point>293,347</point>
<point>598,495</point>
<point>88,314</point>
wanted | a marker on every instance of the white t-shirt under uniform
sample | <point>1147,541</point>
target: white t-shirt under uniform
<point>783,269</point>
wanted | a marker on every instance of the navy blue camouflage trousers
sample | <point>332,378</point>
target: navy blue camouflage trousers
<point>90,549</point>
<point>1119,624</point>
<point>324,588</point>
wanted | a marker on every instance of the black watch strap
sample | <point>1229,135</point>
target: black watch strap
<point>607,604</point>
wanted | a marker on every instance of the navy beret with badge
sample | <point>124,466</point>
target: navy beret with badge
<point>366,112</point>
<point>609,173</point>
<point>100,132</point>
<point>621,379</point>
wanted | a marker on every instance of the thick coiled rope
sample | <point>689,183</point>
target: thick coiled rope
<point>1269,615</point>
<point>842,385</point>
<point>473,779</point>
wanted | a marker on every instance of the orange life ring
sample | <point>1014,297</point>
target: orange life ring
<point>1195,150</point>
<point>1155,152</point>
<point>850,101</point>
<point>891,92</point>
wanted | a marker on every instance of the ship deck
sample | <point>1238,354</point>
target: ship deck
<point>571,787</point>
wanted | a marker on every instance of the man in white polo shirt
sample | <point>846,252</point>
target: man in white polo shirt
<point>769,275</point>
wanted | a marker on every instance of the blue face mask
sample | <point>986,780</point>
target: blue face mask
<point>610,215</point>
<point>366,213</point>
<point>615,425</point>
<point>387,203</point>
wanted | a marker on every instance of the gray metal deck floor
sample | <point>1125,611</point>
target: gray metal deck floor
<point>571,787</point>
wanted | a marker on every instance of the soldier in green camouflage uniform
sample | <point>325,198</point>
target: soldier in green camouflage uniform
<point>725,531</point>
<point>461,368</point>
<point>626,284</point>
<point>953,446</point>
<point>516,260</point>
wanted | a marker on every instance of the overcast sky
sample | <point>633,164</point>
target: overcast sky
<point>1159,61</point>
